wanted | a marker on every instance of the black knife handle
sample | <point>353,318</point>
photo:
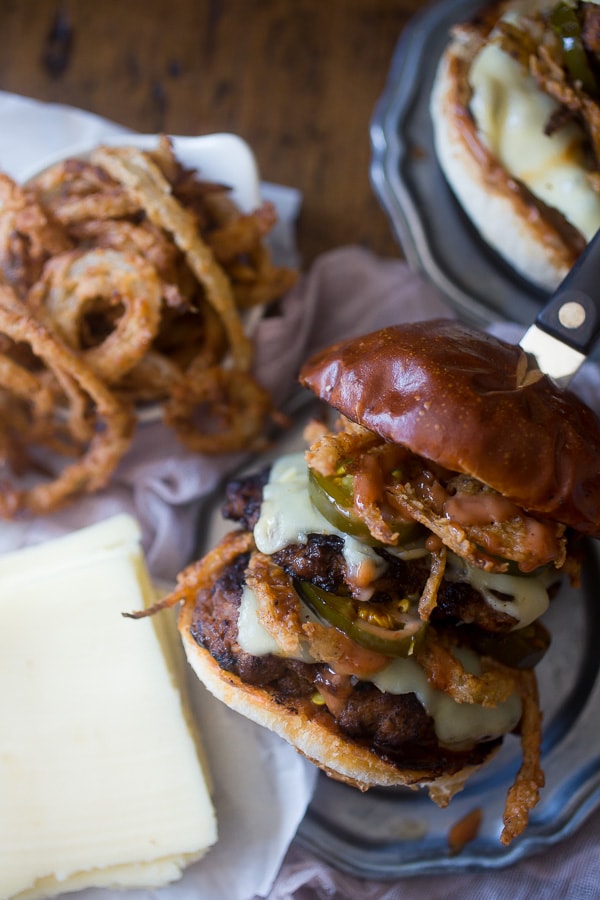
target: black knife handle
<point>572,315</point>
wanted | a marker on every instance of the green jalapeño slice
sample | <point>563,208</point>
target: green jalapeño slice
<point>391,631</point>
<point>566,24</point>
<point>333,497</point>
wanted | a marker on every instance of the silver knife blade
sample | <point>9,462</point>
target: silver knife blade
<point>554,358</point>
<point>568,326</point>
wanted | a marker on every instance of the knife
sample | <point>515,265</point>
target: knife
<point>568,326</point>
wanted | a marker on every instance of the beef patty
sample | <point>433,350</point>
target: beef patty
<point>394,726</point>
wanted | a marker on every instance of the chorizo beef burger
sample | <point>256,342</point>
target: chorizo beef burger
<point>378,604</point>
<point>516,120</point>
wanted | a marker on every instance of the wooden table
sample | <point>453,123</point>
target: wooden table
<point>298,79</point>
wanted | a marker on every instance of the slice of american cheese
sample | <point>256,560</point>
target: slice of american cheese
<point>101,781</point>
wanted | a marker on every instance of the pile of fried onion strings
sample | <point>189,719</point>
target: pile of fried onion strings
<point>126,284</point>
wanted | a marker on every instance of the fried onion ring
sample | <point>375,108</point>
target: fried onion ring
<point>148,241</point>
<point>279,612</point>
<point>114,420</point>
<point>74,190</point>
<point>148,186</point>
<point>78,284</point>
<point>219,411</point>
<point>28,236</point>
<point>151,380</point>
<point>446,673</point>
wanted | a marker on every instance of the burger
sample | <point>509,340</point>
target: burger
<point>516,124</point>
<point>377,602</point>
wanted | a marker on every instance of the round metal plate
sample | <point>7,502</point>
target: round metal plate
<point>436,236</point>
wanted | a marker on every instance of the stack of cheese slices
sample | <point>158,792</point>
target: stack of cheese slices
<point>101,773</point>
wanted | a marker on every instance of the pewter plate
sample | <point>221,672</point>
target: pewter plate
<point>385,834</point>
<point>435,235</point>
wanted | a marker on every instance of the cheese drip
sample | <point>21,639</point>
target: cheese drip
<point>455,723</point>
<point>511,113</point>
<point>525,599</point>
<point>287,517</point>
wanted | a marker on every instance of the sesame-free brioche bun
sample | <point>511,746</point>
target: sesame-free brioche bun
<point>338,756</point>
<point>473,404</point>
<point>535,240</point>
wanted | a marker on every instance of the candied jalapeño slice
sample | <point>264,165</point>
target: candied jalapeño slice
<point>344,613</point>
<point>333,497</point>
<point>566,24</point>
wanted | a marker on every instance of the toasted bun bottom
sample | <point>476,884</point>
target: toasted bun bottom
<point>537,242</point>
<point>338,757</point>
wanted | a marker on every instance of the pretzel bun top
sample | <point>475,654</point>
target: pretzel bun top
<point>473,404</point>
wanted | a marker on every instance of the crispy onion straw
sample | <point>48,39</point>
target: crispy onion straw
<point>446,673</point>
<point>73,190</point>
<point>278,605</point>
<point>219,411</point>
<point>147,184</point>
<point>29,236</point>
<point>114,421</point>
<point>201,574</point>
<point>524,793</point>
<point>428,600</point>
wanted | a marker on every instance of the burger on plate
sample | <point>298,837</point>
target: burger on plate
<point>378,603</point>
<point>516,121</point>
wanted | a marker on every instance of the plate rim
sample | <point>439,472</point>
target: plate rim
<point>394,167</point>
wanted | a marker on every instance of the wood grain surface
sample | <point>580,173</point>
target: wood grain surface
<point>298,79</point>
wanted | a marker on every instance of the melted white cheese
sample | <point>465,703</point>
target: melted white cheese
<point>253,637</point>
<point>455,723</point>
<point>530,598</point>
<point>511,113</point>
<point>287,517</point>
